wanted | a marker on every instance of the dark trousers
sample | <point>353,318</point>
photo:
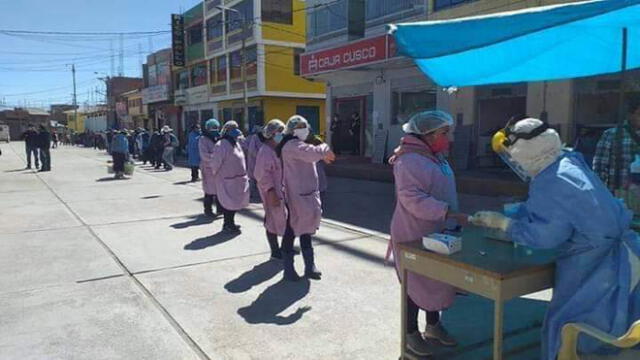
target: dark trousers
<point>158,157</point>
<point>118,161</point>
<point>45,159</point>
<point>433,317</point>
<point>194,172</point>
<point>208,204</point>
<point>32,150</point>
<point>273,242</point>
<point>289,238</point>
<point>229,215</point>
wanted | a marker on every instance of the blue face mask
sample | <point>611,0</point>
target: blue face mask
<point>235,133</point>
<point>278,138</point>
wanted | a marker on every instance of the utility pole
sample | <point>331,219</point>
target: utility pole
<point>75,99</point>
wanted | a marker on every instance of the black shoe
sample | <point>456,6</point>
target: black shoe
<point>289,272</point>
<point>417,345</point>
<point>276,255</point>
<point>310,270</point>
<point>231,229</point>
<point>209,213</point>
<point>194,179</point>
<point>28,167</point>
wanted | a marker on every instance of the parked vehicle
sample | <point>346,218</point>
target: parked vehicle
<point>4,133</point>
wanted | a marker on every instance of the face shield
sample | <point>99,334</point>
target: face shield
<point>504,141</point>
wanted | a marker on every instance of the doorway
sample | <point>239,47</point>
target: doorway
<point>493,114</point>
<point>353,121</point>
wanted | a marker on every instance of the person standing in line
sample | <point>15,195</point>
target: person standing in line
<point>170,143</point>
<point>302,198</point>
<point>155,149</point>
<point>144,145</point>
<point>30,138</point>
<point>268,175</point>
<point>354,130</point>
<point>193,152</point>
<point>44,144</point>
<point>335,133</point>
<point>109,140</point>
<point>254,143</point>
<point>54,139</point>
<point>427,202</point>
<point>230,172</point>
<point>119,153</point>
<point>206,149</point>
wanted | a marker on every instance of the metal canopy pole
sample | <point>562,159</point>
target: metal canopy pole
<point>621,112</point>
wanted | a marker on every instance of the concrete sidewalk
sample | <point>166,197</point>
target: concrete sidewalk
<point>92,268</point>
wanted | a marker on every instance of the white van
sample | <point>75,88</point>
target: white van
<point>4,133</point>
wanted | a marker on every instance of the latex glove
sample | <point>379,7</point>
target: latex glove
<point>491,219</point>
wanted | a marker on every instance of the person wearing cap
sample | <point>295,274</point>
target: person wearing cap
<point>427,202</point>
<point>253,143</point>
<point>302,198</point>
<point>570,209</point>
<point>268,175</point>
<point>193,152</point>
<point>119,153</point>
<point>206,150</point>
<point>230,173</point>
<point>156,148</point>
<point>170,143</point>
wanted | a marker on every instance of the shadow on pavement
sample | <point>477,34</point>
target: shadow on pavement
<point>186,182</point>
<point>195,221</point>
<point>213,240</point>
<point>111,178</point>
<point>259,274</point>
<point>17,170</point>
<point>276,299</point>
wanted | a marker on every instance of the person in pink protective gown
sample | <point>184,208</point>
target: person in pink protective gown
<point>426,200</point>
<point>230,174</point>
<point>268,175</point>
<point>302,197</point>
<point>253,144</point>
<point>206,146</point>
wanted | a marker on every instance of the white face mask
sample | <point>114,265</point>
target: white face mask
<point>301,134</point>
<point>278,138</point>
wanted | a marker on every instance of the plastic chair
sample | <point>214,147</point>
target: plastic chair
<point>570,332</point>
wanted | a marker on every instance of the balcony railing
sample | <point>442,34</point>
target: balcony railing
<point>211,5</point>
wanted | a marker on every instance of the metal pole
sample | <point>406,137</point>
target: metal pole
<point>244,73</point>
<point>621,113</point>
<point>75,99</point>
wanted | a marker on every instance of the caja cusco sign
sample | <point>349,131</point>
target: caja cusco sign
<point>357,53</point>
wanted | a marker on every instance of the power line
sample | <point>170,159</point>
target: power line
<point>144,33</point>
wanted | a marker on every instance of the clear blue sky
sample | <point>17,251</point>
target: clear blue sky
<point>33,67</point>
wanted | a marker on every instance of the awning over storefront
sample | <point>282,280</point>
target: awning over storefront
<point>544,43</point>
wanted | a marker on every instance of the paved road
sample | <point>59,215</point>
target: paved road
<point>92,268</point>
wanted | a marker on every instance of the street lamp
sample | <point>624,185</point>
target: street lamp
<point>244,62</point>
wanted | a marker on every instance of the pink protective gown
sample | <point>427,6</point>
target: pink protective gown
<point>268,174</point>
<point>253,146</point>
<point>230,174</point>
<point>301,185</point>
<point>206,147</point>
<point>424,195</point>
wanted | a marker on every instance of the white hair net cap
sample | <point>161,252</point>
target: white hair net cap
<point>536,154</point>
<point>228,126</point>
<point>425,122</point>
<point>273,127</point>
<point>294,122</point>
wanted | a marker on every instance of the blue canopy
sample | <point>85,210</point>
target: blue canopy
<point>536,44</point>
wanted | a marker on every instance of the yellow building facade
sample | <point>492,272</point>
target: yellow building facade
<point>274,41</point>
<point>73,123</point>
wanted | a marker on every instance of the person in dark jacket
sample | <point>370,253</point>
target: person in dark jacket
<point>156,148</point>
<point>44,144</point>
<point>119,153</point>
<point>30,138</point>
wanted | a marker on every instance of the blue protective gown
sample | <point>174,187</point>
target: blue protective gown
<point>193,152</point>
<point>570,209</point>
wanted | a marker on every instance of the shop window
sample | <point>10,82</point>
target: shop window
<point>444,4</point>
<point>376,9</point>
<point>204,116</point>
<point>214,27</point>
<point>234,20</point>
<point>277,11</point>
<point>199,74</point>
<point>296,60</point>
<point>212,71</point>
<point>256,116</point>
<point>235,60</point>
<point>407,102</point>
<point>194,34</point>
<point>182,79</point>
